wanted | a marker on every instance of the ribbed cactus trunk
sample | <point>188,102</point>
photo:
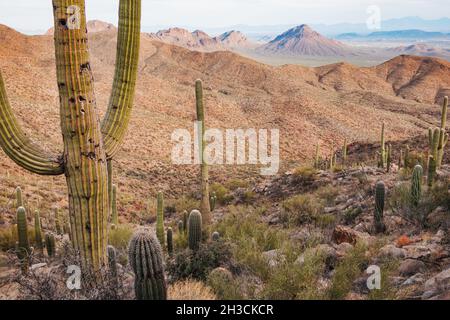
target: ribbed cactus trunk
<point>380,191</point>
<point>88,144</point>
<point>204,174</point>
<point>160,219</point>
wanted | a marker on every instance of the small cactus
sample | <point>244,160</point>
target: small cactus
<point>170,241</point>
<point>38,231</point>
<point>19,199</point>
<point>388,157</point>
<point>58,226</point>
<point>112,264</point>
<point>380,192</point>
<point>382,160</point>
<point>145,256</point>
<point>317,157</point>
<point>23,246</point>
<point>431,170</point>
<point>160,219</point>
<point>215,236</point>
<point>180,226</point>
<point>212,201</point>
<point>50,245</point>
<point>114,216</point>
<point>195,230</point>
<point>344,152</point>
<point>407,159</point>
<point>185,220</point>
<point>416,185</point>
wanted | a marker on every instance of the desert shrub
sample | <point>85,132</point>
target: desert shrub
<point>351,214</point>
<point>8,237</point>
<point>185,204</point>
<point>251,237</point>
<point>223,194</point>
<point>119,239</point>
<point>304,174</point>
<point>302,209</point>
<point>387,289</point>
<point>197,264</point>
<point>234,184</point>
<point>347,270</point>
<point>190,290</point>
<point>292,280</point>
<point>248,197</point>
<point>223,284</point>
<point>328,194</point>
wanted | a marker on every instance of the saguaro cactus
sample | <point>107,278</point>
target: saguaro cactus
<point>146,260</point>
<point>88,144</point>
<point>431,170</point>
<point>170,241</point>
<point>382,160</point>
<point>380,191</point>
<point>38,231</point>
<point>58,222</point>
<point>114,215</point>
<point>50,245</point>
<point>416,185</point>
<point>160,218</point>
<point>19,200</point>
<point>443,135</point>
<point>112,264</point>
<point>195,230</point>
<point>204,172</point>
<point>23,246</point>
<point>212,201</point>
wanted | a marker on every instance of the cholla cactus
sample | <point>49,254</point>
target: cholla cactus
<point>195,230</point>
<point>23,247</point>
<point>416,185</point>
<point>215,236</point>
<point>170,241</point>
<point>38,231</point>
<point>380,192</point>
<point>114,215</point>
<point>145,257</point>
<point>50,245</point>
<point>160,219</point>
<point>204,181</point>
<point>88,143</point>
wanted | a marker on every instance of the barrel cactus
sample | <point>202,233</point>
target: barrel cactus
<point>380,192</point>
<point>23,246</point>
<point>146,260</point>
<point>416,185</point>
<point>170,241</point>
<point>38,231</point>
<point>88,142</point>
<point>195,230</point>
<point>50,245</point>
<point>160,219</point>
<point>215,236</point>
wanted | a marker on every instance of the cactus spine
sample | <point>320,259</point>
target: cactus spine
<point>160,219</point>
<point>195,230</point>
<point>23,246</point>
<point>38,231</point>
<point>380,192</point>
<point>88,143</point>
<point>145,256</point>
<point>204,176</point>
<point>114,215</point>
<point>50,245</point>
<point>170,241</point>
<point>416,185</point>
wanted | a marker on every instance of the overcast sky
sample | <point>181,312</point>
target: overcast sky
<point>28,15</point>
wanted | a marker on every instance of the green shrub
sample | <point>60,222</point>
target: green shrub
<point>185,204</point>
<point>119,239</point>
<point>198,264</point>
<point>302,209</point>
<point>223,194</point>
<point>304,174</point>
<point>234,184</point>
<point>328,194</point>
<point>224,285</point>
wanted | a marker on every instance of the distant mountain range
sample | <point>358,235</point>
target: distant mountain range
<point>412,34</point>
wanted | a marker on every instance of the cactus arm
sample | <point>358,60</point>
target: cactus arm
<point>19,147</point>
<point>117,117</point>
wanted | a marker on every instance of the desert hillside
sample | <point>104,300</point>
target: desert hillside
<point>326,104</point>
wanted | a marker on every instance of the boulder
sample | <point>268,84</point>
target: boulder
<point>410,267</point>
<point>391,251</point>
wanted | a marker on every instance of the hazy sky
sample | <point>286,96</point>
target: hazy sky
<point>27,15</point>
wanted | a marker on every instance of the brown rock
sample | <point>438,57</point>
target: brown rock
<point>410,267</point>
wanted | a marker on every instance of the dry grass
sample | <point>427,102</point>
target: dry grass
<point>190,290</point>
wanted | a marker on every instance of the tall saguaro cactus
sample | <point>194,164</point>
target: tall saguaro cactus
<point>204,204</point>
<point>160,218</point>
<point>88,143</point>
